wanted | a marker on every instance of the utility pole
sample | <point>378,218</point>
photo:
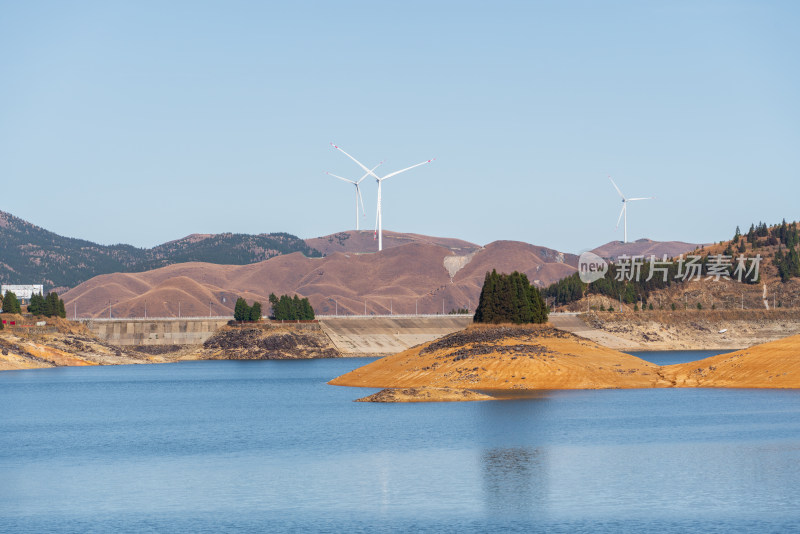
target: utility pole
<point>145,309</point>
<point>365,306</point>
<point>179,309</point>
<point>742,299</point>
<point>209,308</point>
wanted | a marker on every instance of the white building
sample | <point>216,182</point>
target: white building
<point>23,292</point>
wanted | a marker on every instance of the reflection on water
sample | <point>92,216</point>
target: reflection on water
<point>516,394</point>
<point>513,480</point>
<point>673,357</point>
<point>268,446</point>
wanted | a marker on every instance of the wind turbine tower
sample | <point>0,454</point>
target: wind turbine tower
<point>624,212</point>
<point>359,199</point>
<point>379,179</point>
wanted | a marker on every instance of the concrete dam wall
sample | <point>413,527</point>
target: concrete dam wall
<point>353,336</point>
<point>388,335</point>
<point>191,331</point>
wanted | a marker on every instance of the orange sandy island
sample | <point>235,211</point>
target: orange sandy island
<point>541,357</point>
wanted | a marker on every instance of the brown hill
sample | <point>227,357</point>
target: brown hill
<point>774,289</point>
<point>771,365</point>
<point>364,241</point>
<point>540,264</point>
<point>644,247</point>
<point>417,276</point>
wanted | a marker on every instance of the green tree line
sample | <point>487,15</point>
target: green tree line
<point>286,308</point>
<point>49,306</point>
<point>244,312</point>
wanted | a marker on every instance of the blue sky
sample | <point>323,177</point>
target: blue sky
<point>142,122</point>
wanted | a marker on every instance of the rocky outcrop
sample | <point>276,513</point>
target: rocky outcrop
<point>268,343</point>
<point>425,395</point>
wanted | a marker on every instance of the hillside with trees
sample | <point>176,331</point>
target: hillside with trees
<point>777,246</point>
<point>30,254</point>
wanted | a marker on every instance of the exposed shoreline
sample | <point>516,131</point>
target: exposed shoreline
<point>722,330</point>
<point>505,358</point>
<point>466,365</point>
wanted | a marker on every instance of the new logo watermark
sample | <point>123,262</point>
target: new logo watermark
<point>591,267</point>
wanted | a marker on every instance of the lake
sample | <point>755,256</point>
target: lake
<point>258,446</point>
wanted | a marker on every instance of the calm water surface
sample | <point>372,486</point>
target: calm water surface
<point>257,446</point>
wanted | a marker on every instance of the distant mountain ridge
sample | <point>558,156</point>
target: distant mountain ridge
<point>419,276</point>
<point>364,241</point>
<point>30,254</point>
<point>645,247</point>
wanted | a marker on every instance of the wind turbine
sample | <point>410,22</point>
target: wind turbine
<point>358,190</point>
<point>624,212</point>
<point>379,179</point>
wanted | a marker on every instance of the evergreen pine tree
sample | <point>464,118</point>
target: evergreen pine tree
<point>308,311</point>
<point>36,305</point>
<point>11,303</point>
<point>510,298</point>
<point>51,305</point>
<point>255,311</point>
<point>285,311</point>
<point>241,311</point>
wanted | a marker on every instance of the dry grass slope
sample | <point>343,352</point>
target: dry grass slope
<point>534,358</point>
<point>506,357</point>
<point>403,279</point>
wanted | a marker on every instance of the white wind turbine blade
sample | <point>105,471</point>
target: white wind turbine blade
<point>641,198</point>
<point>617,188</point>
<point>621,213</point>
<point>339,177</point>
<point>370,172</point>
<point>358,191</point>
<point>406,169</point>
<point>355,160</point>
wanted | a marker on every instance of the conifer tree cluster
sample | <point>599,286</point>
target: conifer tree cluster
<point>243,312</point>
<point>11,303</point>
<point>49,306</point>
<point>286,308</point>
<point>510,298</point>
